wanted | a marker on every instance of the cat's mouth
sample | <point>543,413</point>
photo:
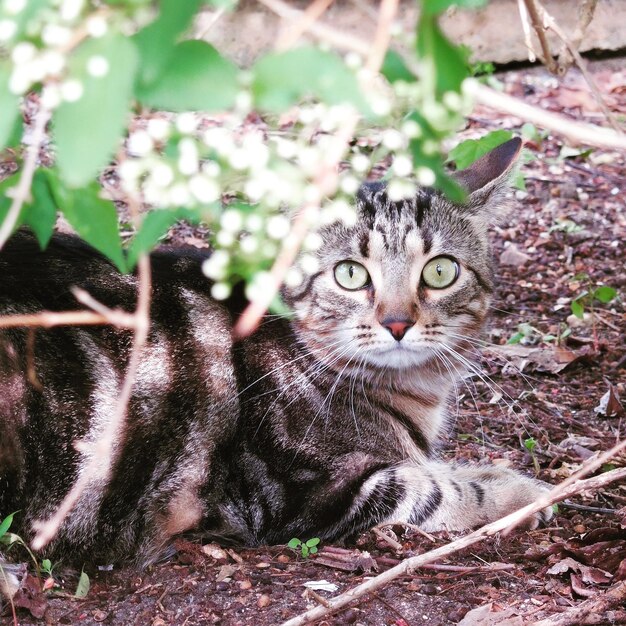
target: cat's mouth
<point>400,356</point>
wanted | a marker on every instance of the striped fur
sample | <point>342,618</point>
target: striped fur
<point>321,426</point>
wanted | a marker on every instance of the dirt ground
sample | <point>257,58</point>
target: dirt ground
<point>533,408</point>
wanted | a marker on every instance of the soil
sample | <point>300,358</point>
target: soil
<point>532,407</point>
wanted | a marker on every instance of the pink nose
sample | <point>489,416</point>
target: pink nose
<point>397,328</point>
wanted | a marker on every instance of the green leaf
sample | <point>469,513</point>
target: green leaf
<point>155,224</point>
<point>6,524</point>
<point>313,550</point>
<point>82,589</point>
<point>41,213</point>
<point>294,543</point>
<point>95,220</point>
<point>604,294</point>
<point>471,150</point>
<point>578,309</point>
<point>395,69</point>
<point>196,78</point>
<point>444,66</point>
<point>433,7</point>
<point>282,79</point>
<point>156,41</point>
<point>530,444</point>
<point>313,542</point>
<point>516,338</point>
<point>9,105</point>
<point>87,131</point>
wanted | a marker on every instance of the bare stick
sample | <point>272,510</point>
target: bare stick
<point>49,319</point>
<point>582,66</point>
<point>383,536</point>
<point>528,40</point>
<point>101,461</point>
<point>585,15</point>
<point>409,565</point>
<point>335,37</point>
<point>540,31</point>
<point>21,192</point>
<point>312,13</point>
<point>593,607</point>
<point>586,468</point>
<point>324,182</point>
<point>575,132</point>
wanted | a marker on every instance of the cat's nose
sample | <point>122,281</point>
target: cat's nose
<point>397,328</point>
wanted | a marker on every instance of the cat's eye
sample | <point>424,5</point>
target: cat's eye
<point>351,275</point>
<point>440,272</point>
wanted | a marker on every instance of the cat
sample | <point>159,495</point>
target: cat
<point>322,425</point>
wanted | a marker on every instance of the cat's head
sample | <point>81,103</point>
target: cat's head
<point>411,281</point>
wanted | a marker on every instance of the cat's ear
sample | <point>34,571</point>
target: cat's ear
<point>486,180</point>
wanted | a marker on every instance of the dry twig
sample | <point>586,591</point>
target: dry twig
<point>411,564</point>
<point>324,182</point>
<point>551,23</point>
<point>540,31</point>
<point>101,451</point>
<point>575,132</point>
<point>312,13</point>
<point>595,607</point>
<point>333,36</point>
<point>586,10</point>
<point>21,192</point>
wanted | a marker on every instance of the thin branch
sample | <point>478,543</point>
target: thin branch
<point>576,132</point>
<point>410,565</point>
<point>595,607</point>
<point>21,192</point>
<point>540,31</point>
<point>312,13</point>
<point>333,36</point>
<point>528,40</point>
<point>49,319</point>
<point>551,23</point>
<point>324,182</point>
<point>102,451</point>
<point>585,15</point>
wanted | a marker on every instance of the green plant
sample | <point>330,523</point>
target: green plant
<point>566,226</point>
<point>531,444</point>
<point>529,335</point>
<point>306,547</point>
<point>591,295</point>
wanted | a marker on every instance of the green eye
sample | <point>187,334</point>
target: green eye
<point>440,273</point>
<point>351,275</point>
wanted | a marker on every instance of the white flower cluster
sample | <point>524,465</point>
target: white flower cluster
<point>39,41</point>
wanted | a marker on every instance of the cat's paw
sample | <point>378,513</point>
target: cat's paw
<point>523,491</point>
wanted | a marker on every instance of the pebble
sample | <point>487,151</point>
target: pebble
<point>245,584</point>
<point>263,601</point>
<point>580,529</point>
<point>100,616</point>
<point>159,621</point>
<point>222,586</point>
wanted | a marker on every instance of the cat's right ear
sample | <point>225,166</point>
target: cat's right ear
<point>486,179</point>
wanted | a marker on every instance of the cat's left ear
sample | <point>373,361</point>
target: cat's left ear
<point>486,180</point>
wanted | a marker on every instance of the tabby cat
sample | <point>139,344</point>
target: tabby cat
<point>319,426</point>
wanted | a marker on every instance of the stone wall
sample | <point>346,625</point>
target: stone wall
<point>494,33</point>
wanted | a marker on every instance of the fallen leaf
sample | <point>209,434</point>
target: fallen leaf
<point>486,615</point>
<point>588,574</point>
<point>215,552</point>
<point>226,571</point>
<point>610,405</point>
<point>553,359</point>
<point>30,596</point>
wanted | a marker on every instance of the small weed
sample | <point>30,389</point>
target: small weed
<point>306,547</point>
<point>529,335</point>
<point>531,444</point>
<point>567,226</point>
